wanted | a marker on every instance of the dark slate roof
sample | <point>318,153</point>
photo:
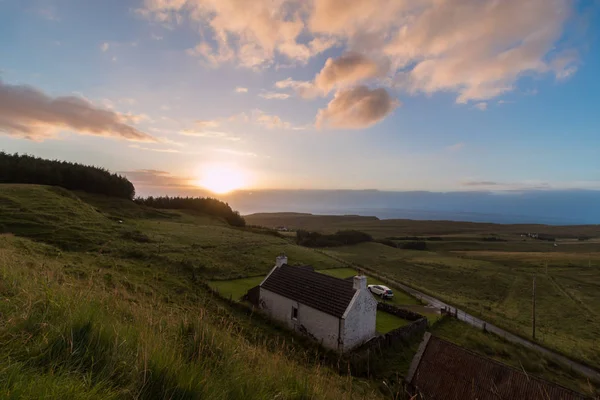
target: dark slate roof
<point>450,372</point>
<point>319,291</point>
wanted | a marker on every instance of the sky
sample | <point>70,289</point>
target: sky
<point>400,95</point>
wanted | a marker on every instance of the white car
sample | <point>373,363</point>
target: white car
<point>380,290</point>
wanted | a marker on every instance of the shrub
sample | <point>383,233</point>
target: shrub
<point>340,238</point>
<point>387,242</point>
<point>415,246</point>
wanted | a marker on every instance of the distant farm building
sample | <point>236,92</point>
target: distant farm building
<point>338,313</point>
<point>444,371</point>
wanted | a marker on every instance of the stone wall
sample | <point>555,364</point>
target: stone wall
<point>402,334</point>
<point>399,312</point>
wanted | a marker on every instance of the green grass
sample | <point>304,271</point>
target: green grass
<point>235,288</point>
<point>96,309</point>
<point>387,322</point>
<point>52,215</point>
<point>400,297</point>
<point>498,287</point>
<point>91,308</point>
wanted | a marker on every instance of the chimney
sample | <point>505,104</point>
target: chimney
<point>280,260</point>
<point>359,282</point>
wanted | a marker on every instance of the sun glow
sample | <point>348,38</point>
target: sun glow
<point>221,178</point>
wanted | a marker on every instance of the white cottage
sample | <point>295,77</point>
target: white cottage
<point>338,313</point>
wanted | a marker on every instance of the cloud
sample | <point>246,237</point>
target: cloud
<point>127,100</point>
<point>356,108</point>
<point>236,152</point>
<point>269,121</point>
<point>274,95</point>
<point>241,90</point>
<point>347,69</point>
<point>476,49</point>
<point>456,147</point>
<point>517,186</point>
<point>480,183</point>
<point>304,89</point>
<point>209,134</point>
<point>481,106</point>
<point>261,118</point>
<point>207,124</point>
<point>250,36</point>
<point>29,113</point>
<point>158,150</point>
<point>156,37</point>
<point>104,47</point>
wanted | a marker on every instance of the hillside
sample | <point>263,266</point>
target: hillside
<point>106,301</point>
<point>403,227</point>
<point>105,298</point>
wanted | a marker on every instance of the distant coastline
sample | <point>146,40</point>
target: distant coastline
<point>429,215</point>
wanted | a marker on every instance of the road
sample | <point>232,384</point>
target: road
<point>479,323</point>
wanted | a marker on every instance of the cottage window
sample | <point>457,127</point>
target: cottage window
<point>294,313</point>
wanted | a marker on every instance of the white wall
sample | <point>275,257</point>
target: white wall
<point>359,324</point>
<point>323,326</point>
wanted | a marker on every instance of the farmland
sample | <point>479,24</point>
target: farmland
<point>491,278</point>
<point>104,298</point>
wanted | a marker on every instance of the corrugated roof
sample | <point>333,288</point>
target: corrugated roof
<point>319,291</point>
<point>449,372</point>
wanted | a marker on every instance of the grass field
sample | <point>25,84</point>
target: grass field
<point>388,322</point>
<point>235,288</point>
<point>93,309</point>
<point>497,286</point>
<point>100,299</point>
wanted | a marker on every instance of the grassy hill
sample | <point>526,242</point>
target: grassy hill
<point>103,298</point>
<point>95,308</point>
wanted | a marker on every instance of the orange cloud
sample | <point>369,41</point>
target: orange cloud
<point>477,49</point>
<point>29,113</point>
<point>356,108</point>
<point>347,69</point>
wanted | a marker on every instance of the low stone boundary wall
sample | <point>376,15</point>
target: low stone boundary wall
<point>403,334</point>
<point>399,312</point>
<point>417,327</point>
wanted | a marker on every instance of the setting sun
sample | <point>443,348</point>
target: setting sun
<point>221,179</point>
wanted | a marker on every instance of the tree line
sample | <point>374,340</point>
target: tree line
<point>205,205</point>
<point>340,238</point>
<point>16,168</point>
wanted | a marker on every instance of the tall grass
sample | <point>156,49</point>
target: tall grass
<point>66,337</point>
